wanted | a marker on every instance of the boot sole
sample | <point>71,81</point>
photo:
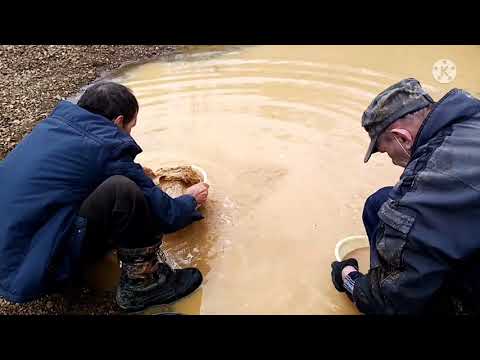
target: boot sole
<point>158,307</point>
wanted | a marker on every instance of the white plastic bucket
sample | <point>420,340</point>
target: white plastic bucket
<point>349,244</point>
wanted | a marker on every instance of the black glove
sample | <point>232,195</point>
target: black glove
<point>337,267</point>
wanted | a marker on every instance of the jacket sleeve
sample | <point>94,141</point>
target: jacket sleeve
<point>171,214</point>
<point>411,272</point>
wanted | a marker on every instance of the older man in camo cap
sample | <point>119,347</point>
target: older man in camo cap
<point>423,232</point>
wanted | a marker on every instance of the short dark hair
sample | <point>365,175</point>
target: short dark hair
<point>110,100</point>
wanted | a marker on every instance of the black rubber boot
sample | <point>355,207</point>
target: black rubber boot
<point>146,281</point>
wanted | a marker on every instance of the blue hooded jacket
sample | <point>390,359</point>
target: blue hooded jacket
<point>43,183</point>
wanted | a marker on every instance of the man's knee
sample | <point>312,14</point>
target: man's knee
<point>121,186</point>
<point>375,201</point>
<point>373,205</point>
<point>119,181</point>
<point>116,192</point>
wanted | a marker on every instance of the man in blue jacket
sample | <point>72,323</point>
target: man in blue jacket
<point>71,191</point>
<point>423,232</point>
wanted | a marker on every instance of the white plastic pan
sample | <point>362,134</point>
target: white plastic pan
<point>349,244</point>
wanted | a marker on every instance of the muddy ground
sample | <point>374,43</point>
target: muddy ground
<point>33,78</point>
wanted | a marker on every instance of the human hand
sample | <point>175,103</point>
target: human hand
<point>199,192</point>
<point>337,271</point>
<point>149,172</point>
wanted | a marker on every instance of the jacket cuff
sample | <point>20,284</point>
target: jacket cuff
<point>349,282</point>
<point>190,201</point>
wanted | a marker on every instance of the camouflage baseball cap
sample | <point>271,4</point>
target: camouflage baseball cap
<point>393,103</point>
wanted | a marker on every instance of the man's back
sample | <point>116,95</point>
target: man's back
<point>44,180</point>
<point>446,197</point>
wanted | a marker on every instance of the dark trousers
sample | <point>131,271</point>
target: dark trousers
<point>371,219</point>
<point>118,216</point>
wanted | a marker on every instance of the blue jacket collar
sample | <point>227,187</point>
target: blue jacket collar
<point>455,106</point>
<point>96,125</point>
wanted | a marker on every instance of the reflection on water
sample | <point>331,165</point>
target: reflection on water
<point>277,128</point>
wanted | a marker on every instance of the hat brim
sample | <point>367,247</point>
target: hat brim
<point>372,148</point>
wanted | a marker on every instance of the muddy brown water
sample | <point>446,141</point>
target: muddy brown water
<point>277,128</point>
